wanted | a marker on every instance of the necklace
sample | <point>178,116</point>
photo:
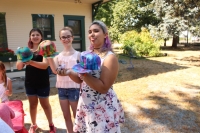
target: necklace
<point>96,48</point>
<point>96,51</point>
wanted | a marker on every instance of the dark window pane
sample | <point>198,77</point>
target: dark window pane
<point>45,23</point>
<point>3,36</point>
<point>76,26</point>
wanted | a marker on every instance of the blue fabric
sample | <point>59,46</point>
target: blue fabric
<point>71,94</point>
<point>40,92</point>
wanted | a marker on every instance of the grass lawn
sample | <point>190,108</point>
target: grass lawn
<point>158,95</point>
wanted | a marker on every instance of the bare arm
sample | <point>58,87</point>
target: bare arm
<point>41,65</point>
<point>9,88</point>
<point>53,63</point>
<point>20,65</point>
<point>74,76</point>
<point>108,75</point>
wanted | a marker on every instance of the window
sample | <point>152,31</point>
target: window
<point>77,23</point>
<point>3,35</point>
<point>45,23</point>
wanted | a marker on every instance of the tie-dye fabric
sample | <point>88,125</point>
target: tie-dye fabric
<point>88,61</point>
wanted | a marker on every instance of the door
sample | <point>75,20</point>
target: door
<point>77,23</point>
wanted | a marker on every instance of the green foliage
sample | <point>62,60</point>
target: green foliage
<point>176,16</point>
<point>125,15</point>
<point>140,44</point>
<point>105,12</point>
<point>128,16</point>
<point>6,52</point>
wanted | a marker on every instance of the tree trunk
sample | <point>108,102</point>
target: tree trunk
<point>165,41</point>
<point>175,41</point>
<point>178,39</point>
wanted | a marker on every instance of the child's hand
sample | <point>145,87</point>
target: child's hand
<point>63,71</point>
<point>28,62</point>
<point>7,92</point>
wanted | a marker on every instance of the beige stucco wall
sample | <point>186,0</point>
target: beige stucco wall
<point>19,19</point>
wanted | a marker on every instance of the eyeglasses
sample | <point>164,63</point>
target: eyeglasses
<point>65,37</point>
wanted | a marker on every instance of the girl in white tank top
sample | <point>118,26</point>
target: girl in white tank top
<point>5,84</point>
<point>68,90</point>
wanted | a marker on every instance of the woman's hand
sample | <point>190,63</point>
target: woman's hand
<point>82,75</point>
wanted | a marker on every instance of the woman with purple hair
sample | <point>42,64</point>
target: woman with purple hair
<point>98,110</point>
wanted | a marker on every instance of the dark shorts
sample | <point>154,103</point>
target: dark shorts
<point>71,94</point>
<point>40,92</point>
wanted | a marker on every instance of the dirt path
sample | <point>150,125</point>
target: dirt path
<point>158,95</point>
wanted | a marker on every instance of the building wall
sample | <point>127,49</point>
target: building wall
<point>19,18</point>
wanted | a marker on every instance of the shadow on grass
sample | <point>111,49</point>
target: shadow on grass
<point>39,130</point>
<point>141,69</point>
<point>22,95</point>
<point>171,115</point>
<point>182,47</point>
<point>195,61</point>
<point>193,86</point>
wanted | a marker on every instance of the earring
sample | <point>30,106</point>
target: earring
<point>106,40</point>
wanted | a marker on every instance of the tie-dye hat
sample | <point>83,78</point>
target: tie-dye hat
<point>47,48</point>
<point>88,61</point>
<point>24,54</point>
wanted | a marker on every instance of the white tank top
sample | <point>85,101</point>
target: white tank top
<point>103,58</point>
<point>3,96</point>
<point>67,62</point>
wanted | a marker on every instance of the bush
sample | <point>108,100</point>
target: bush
<point>140,44</point>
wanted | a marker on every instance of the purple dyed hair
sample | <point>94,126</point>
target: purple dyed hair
<point>107,43</point>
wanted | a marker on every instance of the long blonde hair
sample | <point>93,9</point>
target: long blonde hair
<point>3,69</point>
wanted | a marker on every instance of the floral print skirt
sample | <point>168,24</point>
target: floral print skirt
<point>98,113</point>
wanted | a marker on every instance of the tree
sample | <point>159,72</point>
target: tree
<point>125,15</point>
<point>175,15</point>
<point>105,12</point>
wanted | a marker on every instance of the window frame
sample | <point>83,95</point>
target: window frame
<point>51,18</point>
<point>82,20</point>
<point>5,46</point>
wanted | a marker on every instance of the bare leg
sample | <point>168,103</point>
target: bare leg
<point>74,107</point>
<point>33,102</point>
<point>47,109</point>
<point>64,104</point>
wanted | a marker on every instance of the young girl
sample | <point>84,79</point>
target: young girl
<point>98,110</point>
<point>37,81</point>
<point>5,84</point>
<point>68,90</point>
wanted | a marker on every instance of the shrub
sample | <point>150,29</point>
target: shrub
<point>140,44</point>
<point>6,52</point>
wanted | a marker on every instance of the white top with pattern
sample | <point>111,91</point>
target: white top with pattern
<point>3,96</point>
<point>96,112</point>
<point>67,62</point>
